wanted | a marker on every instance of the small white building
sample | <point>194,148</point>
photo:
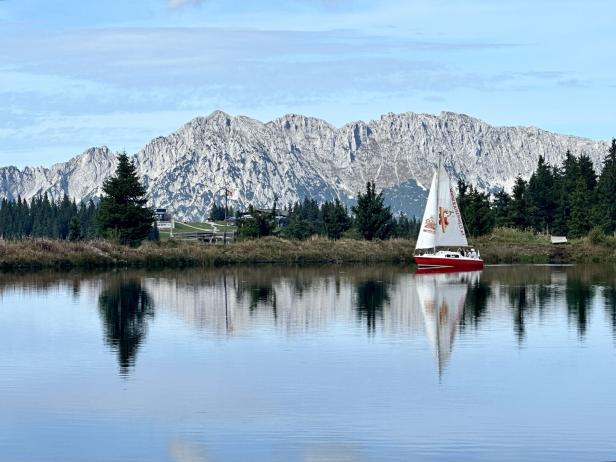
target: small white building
<point>557,240</point>
<point>164,219</point>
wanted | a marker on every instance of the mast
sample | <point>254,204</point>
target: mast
<point>436,215</point>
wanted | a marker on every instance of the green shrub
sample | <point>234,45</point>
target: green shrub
<point>596,235</point>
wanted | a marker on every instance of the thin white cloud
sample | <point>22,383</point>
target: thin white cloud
<point>174,4</point>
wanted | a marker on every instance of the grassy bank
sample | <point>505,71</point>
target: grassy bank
<point>40,253</point>
<point>514,246</point>
<point>502,246</point>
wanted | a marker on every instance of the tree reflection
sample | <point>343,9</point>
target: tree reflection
<point>609,295</point>
<point>371,296</point>
<point>125,306</point>
<point>476,303</point>
<point>519,303</point>
<point>579,296</point>
<point>259,294</point>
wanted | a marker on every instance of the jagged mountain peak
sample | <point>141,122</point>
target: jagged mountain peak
<point>294,156</point>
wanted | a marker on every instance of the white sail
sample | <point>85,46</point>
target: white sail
<point>442,224</point>
<point>450,228</point>
<point>427,232</point>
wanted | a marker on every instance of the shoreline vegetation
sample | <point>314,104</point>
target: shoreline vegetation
<point>500,246</point>
<point>508,229</point>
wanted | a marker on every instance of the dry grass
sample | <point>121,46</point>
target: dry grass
<point>506,245</point>
<point>514,246</point>
<point>501,246</point>
<point>43,253</point>
<point>584,250</point>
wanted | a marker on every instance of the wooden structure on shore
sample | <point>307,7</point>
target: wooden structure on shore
<point>205,237</point>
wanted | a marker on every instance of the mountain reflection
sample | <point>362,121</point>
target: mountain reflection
<point>290,301</point>
<point>125,307</point>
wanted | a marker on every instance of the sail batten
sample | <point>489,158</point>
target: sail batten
<point>442,224</point>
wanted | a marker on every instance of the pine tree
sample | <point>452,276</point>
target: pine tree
<point>588,173</point>
<point>482,215</point>
<point>256,224</point>
<point>123,214</point>
<point>579,219</point>
<point>475,208</point>
<point>335,219</point>
<point>501,206</point>
<point>605,210</point>
<point>74,230</point>
<point>542,200</point>
<point>406,228</point>
<point>373,219</point>
<point>569,175</point>
<point>217,213</point>
<point>305,220</point>
<point>519,204</point>
<point>464,200</point>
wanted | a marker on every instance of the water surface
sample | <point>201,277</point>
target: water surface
<point>314,364</point>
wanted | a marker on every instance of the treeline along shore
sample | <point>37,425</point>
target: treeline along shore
<point>570,200</point>
<point>502,245</point>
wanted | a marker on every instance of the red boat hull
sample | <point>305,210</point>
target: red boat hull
<point>426,261</point>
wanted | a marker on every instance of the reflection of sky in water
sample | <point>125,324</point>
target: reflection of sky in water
<point>330,364</point>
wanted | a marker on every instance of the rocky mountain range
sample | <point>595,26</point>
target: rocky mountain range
<point>296,156</point>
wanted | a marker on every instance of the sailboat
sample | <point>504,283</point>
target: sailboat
<point>442,241</point>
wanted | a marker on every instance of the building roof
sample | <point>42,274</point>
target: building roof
<point>558,239</point>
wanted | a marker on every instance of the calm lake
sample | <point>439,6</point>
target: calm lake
<point>337,363</point>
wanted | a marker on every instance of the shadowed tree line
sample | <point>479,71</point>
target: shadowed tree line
<point>369,219</point>
<point>569,200</point>
<point>122,214</point>
<point>42,217</point>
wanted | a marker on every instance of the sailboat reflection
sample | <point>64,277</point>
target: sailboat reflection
<point>441,296</point>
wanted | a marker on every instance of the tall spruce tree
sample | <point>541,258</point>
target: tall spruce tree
<point>475,208</point>
<point>501,206</point>
<point>464,198</point>
<point>124,215</point>
<point>373,219</point>
<point>605,210</point>
<point>74,229</point>
<point>519,204</point>
<point>481,215</point>
<point>542,200</point>
<point>305,220</point>
<point>580,211</point>
<point>335,219</point>
<point>588,173</point>
<point>568,182</point>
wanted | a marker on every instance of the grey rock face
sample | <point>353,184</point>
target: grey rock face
<point>296,156</point>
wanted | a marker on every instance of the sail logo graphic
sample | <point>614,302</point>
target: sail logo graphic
<point>429,226</point>
<point>443,218</point>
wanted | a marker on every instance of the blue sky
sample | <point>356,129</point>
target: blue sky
<point>75,74</point>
